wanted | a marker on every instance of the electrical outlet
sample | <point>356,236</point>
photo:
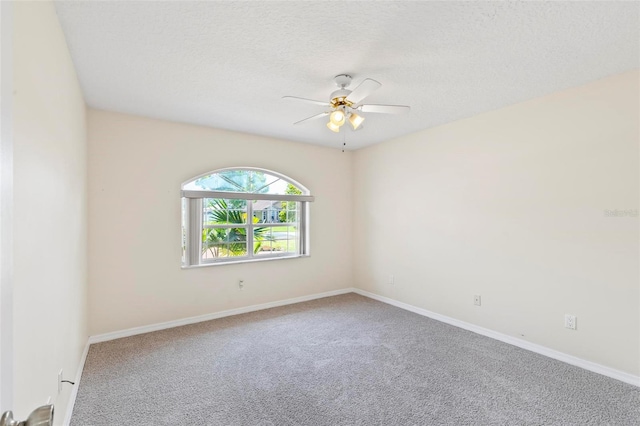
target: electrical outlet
<point>60,381</point>
<point>570,322</point>
<point>241,284</point>
<point>476,300</point>
<point>392,279</point>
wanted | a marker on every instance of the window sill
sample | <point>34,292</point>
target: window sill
<point>235,262</point>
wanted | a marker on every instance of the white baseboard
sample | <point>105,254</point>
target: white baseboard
<point>207,317</point>
<point>74,390</point>
<point>185,321</point>
<point>570,359</point>
<point>551,353</point>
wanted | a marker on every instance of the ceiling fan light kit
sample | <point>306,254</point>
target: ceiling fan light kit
<point>344,103</point>
<point>355,120</point>
<point>337,117</point>
<point>333,127</point>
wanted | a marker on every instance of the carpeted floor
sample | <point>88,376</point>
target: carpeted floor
<point>344,360</point>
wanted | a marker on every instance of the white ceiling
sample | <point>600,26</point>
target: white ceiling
<point>227,64</point>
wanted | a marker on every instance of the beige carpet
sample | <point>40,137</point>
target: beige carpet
<point>344,360</point>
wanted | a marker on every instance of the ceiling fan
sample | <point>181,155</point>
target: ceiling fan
<point>345,104</point>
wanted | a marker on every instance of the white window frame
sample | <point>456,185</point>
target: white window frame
<point>193,217</point>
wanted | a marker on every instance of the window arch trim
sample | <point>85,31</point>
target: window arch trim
<point>305,191</point>
<point>245,195</point>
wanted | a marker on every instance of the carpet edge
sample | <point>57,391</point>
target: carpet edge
<point>533,347</point>
<point>98,338</point>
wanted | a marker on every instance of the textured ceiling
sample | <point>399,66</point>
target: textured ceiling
<point>228,64</point>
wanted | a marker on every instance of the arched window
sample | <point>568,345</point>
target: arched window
<point>243,214</point>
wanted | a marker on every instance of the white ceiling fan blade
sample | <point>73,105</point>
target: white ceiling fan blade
<point>364,89</point>
<point>313,117</point>
<point>385,109</point>
<point>310,101</point>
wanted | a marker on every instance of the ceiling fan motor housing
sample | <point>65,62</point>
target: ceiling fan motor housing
<point>339,98</point>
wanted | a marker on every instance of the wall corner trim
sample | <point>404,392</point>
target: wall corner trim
<point>542,350</point>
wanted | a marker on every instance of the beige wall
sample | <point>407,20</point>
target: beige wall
<point>510,205</point>
<point>136,167</point>
<point>50,325</point>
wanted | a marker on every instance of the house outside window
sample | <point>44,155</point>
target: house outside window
<point>243,214</point>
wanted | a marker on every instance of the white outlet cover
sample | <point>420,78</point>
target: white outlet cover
<point>570,322</point>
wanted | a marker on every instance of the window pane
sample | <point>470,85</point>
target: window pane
<point>213,241</point>
<point>276,239</point>
<point>224,242</point>
<point>270,211</point>
<point>237,249</point>
<point>262,239</point>
<point>288,239</point>
<point>213,251</point>
<point>292,211</point>
<point>245,181</point>
<point>263,247</point>
<point>234,235</point>
<point>267,211</point>
<point>223,211</point>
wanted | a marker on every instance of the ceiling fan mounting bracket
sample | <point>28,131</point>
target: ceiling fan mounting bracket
<point>342,80</point>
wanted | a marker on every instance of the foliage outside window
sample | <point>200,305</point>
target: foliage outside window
<point>236,215</point>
